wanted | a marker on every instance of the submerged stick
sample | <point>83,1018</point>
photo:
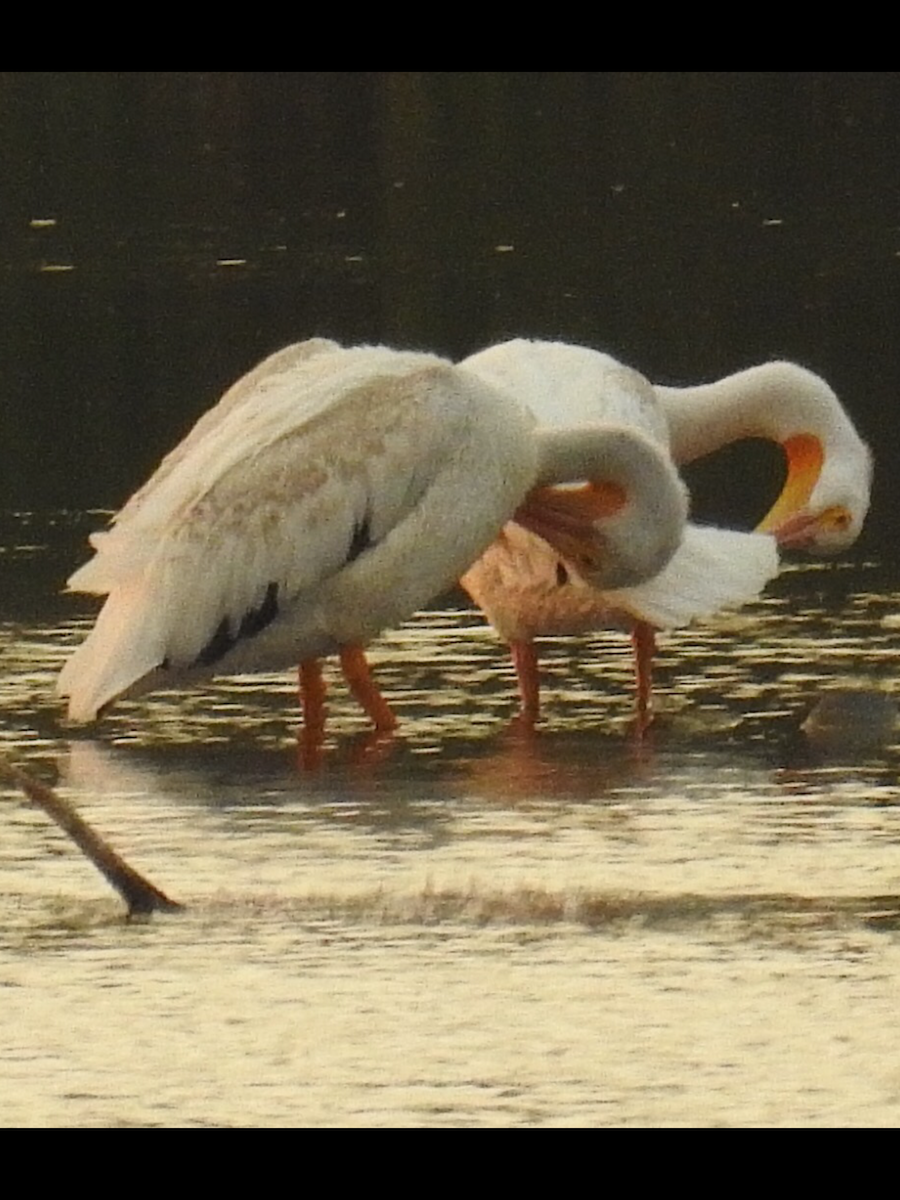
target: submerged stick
<point>141,896</point>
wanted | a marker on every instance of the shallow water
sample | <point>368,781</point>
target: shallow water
<point>458,926</point>
<point>461,924</point>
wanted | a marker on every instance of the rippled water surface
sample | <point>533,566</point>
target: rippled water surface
<point>464,925</point>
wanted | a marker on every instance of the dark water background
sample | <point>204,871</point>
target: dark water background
<point>162,231</point>
<point>457,926</point>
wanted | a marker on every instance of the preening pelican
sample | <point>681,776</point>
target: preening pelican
<point>526,588</point>
<point>330,494</point>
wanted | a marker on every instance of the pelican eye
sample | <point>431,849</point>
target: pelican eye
<point>836,518</point>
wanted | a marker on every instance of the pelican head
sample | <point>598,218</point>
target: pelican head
<point>624,523</point>
<point>825,497</point>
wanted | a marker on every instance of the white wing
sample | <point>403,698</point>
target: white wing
<point>322,500</point>
<point>713,569</point>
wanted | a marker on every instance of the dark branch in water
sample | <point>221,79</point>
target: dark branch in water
<point>138,893</point>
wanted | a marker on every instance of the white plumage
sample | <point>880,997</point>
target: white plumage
<point>328,495</point>
<point>572,386</point>
<point>524,588</point>
<point>520,582</point>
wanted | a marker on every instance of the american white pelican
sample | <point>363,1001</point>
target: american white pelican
<point>526,588</point>
<point>821,508</point>
<point>328,495</point>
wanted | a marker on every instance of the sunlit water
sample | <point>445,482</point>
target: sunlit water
<point>463,925</point>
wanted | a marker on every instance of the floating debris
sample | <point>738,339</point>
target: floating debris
<point>141,896</point>
<point>857,718</point>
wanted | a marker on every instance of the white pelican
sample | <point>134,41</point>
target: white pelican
<point>524,588</point>
<point>328,495</point>
<point>527,589</point>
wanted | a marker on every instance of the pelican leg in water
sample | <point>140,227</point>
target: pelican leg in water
<point>358,675</point>
<point>525,661</point>
<point>330,494</point>
<point>643,639</point>
<point>528,587</point>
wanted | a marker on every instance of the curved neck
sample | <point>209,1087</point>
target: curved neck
<point>775,401</point>
<point>602,453</point>
<point>641,529</point>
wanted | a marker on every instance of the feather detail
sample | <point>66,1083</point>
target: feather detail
<point>126,643</point>
<point>713,569</point>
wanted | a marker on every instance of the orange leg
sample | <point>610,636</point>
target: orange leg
<point>644,642</point>
<point>525,661</point>
<point>365,689</point>
<point>311,737</point>
<point>312,695</point>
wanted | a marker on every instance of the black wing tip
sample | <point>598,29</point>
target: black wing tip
<point>252,622</point>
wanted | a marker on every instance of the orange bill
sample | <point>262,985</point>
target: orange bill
<point>804,528</point>
<point>804,459</point>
